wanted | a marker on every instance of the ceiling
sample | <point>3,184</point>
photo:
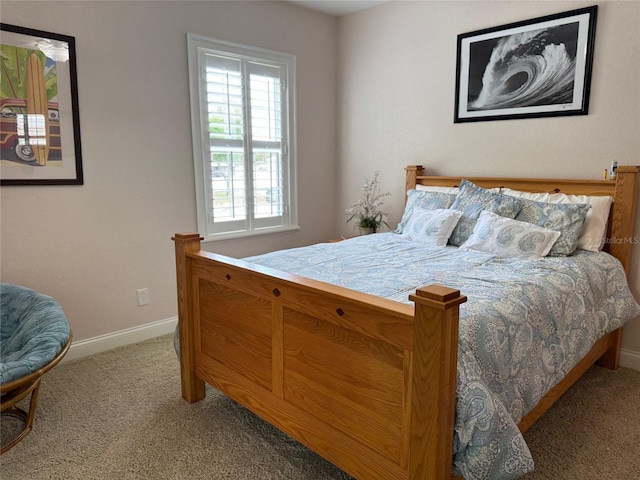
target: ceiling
<point>337,8</point>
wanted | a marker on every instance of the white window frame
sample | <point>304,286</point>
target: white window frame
<point>198,45</point>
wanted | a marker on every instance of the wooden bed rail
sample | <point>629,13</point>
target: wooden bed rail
<point>368,383</point>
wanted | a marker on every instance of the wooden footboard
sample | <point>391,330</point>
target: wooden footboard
<point>367,383</point>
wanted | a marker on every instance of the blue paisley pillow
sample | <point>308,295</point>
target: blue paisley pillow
<point>471,201</point>
<point>425,200</point>
<point>431,227</point>
<point>567,218</point>
<point>510,238</point>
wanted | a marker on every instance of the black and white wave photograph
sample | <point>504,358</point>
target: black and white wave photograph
<point>540,67</point>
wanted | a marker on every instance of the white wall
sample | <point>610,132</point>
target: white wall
<point>92,246</point>
<point>397,66</point>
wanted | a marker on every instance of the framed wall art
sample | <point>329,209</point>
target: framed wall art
<point>39,118</point>
<point>534,68</point>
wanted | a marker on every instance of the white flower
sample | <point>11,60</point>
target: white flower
<point>368,210</point>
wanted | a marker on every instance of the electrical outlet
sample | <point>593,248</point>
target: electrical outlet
<point>143,297</point>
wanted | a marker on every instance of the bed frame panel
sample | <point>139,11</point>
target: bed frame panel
<point>367,383</point>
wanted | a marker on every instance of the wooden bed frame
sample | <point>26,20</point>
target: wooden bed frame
<point>367,383</point>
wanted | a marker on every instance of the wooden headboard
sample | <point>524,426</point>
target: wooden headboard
<point>624,190</point>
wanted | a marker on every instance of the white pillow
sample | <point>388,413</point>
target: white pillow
<point>431,227</point>
<point>433,188</point>
<point>510,238</point>
<point>424,199</point>
<point>594,228</point>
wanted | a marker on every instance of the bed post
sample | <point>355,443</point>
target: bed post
<point>192,386</point>
<point>621,241</point>
<point>622,229</point>
<point>411,178</point>
<point>433,381</point>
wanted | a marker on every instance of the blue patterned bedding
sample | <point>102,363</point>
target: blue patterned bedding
<point>526,324</point>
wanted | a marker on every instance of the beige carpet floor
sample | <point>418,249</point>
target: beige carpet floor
<point>119,415</point>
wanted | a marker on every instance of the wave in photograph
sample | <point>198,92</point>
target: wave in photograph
<point>527,69</point>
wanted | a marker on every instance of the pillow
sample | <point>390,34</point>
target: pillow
<point>426,200</point>
<point>431,227</point>
<point>565,218</point>
<point>433,188</point>
<point>595,225</point>
<point>472,200</point>
<point>510,238</point>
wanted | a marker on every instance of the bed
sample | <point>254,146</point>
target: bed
<point>370,382</point>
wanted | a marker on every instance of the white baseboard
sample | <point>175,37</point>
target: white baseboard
<point>102,343</point>
<point>629,359</point>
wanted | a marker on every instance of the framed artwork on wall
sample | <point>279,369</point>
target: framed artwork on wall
<point>534,68</point>
<point>39,118</point>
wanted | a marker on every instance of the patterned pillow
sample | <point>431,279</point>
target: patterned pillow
<point>510,238</point>
<point>567,218</point>
<point>431,227</point>
<point>595,224</point>
<point>471,201</point>
<point>425,200</point>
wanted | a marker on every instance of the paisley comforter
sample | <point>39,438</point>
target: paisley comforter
<point>526,324</point>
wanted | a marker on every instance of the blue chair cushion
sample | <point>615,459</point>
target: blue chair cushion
<point>33,329</point>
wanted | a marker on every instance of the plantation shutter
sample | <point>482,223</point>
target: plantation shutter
<point>246,143</point>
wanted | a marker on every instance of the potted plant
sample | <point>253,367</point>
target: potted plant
<point>368,210</point>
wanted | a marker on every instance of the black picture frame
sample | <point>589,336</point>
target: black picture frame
<point>534,68</point>
<point>40,120</point>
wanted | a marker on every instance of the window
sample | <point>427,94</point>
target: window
<point>242,113</point>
